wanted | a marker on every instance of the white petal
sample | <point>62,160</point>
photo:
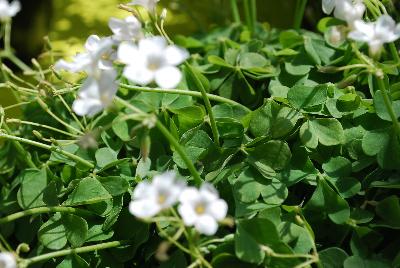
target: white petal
<point>144,190</point>
<point>176,55</point>
<point>208,192</point>
<point>190,196</point>
<point>189,216</point>
<point>164,180</point>
<point>128,53</point>
<point>115,24</point>
<point>138,75</point>
<point>168,77</point>
<point>88,107</point>
<point>206,225</point>
<point>363,32</point>
<point>92,42</point>
<point>218,209</point>
<point>144,208</point>
<point>14,8</point>
<point>328,6</point>
<point>7,260</point>
<point>152,45</point>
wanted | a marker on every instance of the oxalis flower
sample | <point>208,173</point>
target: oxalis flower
<point>7,260</point>
<point>149,198</point>
<point>377,33</point>
<point>347,10</point>
<point>202,208</point>
<point>9,10</point>
<point>98,55</point>
<point>152,60</point>
<point>150,5</point>
<point>126,29</point>
<point>96,93</point>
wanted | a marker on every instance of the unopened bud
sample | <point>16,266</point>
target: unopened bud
<point>163,14</point>
<point>336,35</point>
<point>37,134</point>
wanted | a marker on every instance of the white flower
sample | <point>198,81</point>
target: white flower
<point>96,93</point>
<point>347,10</point>
<point>149,198</point>
<point>202,208</point>
<point>98,56</point>
<point>152,60</point>
<point>9,10</point>
<point>150,5</point>
<point>125,30</point>
<point>7,260</point>
<point>377,33</point>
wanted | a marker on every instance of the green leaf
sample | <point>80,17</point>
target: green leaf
<point>96,233</point>
<point>247,186</point>
<point>105,156</point>
<point>381,109</point>
<point>73,261</point>
<point>275,154</point>
<point>297,69</point>
<point>250,235</point>
<point>35,190</point>
<point>360,262</point>
<point>251,60</point>
<point>88,191</point>
<point>121,129</point>
<point>326,201</point>
<point>374,141</point>
<point>389,210</point>
<point>327,131</point>
<point>332,257</point>
<point>219,61</point>
<point>337,167</point>
<point>52,233</point>
<point>302,97</point>
<point>114,185</point>
<point>311,52</point>
<point>76,229</point>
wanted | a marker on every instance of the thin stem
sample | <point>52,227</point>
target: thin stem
<point>298,19</point>
<point>207,103</point>
<point>235,11</point>
<point>70,251</point>
<point>389,107</point>
<point>50,148</point>
<point>171,240</point>
<point>170,138</point>
<point>25,155</point>
<point>70,112</point>
<point>247,15</point>
<point>41,210</point>
<point>7,35</point>
<point>253,12</point>
<point>195,94</point>
<point>180,151</point>
<point>18,121</point>
<point>47,110</point>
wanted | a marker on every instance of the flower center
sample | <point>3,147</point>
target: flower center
<point>161,199</point>
<point>200,209</point>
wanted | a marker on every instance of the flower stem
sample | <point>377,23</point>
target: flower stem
<point>389,107</point>
<point>20,150</point>
<point>235,11</point>
<point>70,251</point>
<point>298,19</point>
<point>18,121</point>
<point>170,138</point>
<point>195,94</point>
<point>180,151</point>
<point>48,147</point>
<point>247,15</point>
<point>41,210</point>
<point>253,12</point>
<point>207,103</point>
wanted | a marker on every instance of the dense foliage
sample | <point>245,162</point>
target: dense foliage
<point>298,131</point>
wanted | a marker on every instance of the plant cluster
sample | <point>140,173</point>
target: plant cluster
<point>245,147</point>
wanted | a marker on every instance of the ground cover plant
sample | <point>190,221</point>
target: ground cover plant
<point>247,146</point>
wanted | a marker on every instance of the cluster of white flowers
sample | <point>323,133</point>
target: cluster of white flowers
<point>146,59</point>
<point>376,33</point>
<point>201,208</point>
<point>9,10</point>
<point>7,260</point>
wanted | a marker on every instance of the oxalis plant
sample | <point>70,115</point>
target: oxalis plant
<point>246,147</point>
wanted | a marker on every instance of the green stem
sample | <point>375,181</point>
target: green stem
<point>389,107</point>
<point>18,121</point>
<point>298,19</point>
<point>70,251</point>
<point>207,103</point>
<point>247,15</point>
<point>170,138</point>
<point>7,35</point>
<point>20,150</point>
<point>394,52</point>
<point>180,151</point>
<point>235,11</point>
<point>253,11</point>
<point>41,210</point>
<point>48,147</point>
<point>195,94</point>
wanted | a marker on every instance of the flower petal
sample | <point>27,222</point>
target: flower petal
<point>328,6</point>
<point>144,208</point>
<point>138,74</point>
<point>206,225</point>
<point>218,209</point>
<point>168,77</point>
<point>128,53</point>
<point>189,216</point>
<point>176,55</point>
<point>152,45</point>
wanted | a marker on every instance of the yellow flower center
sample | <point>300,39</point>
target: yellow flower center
<point>200,209</point>
<point>161,199</point>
